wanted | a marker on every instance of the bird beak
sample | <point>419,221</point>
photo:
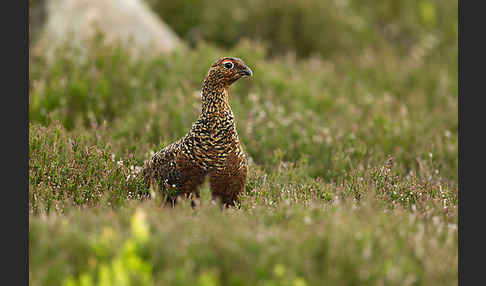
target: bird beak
<point>247,72</point>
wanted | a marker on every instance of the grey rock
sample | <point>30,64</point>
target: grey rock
<point>130,21</point>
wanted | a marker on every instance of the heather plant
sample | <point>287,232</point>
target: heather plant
<point>336,116</point>
<point>337,243</point>
<point>351,139</point>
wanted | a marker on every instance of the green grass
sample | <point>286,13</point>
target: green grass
<point>353,173</point>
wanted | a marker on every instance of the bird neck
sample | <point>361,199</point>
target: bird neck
<point>215,102</point>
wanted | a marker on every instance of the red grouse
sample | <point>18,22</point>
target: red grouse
<point>211,148</point>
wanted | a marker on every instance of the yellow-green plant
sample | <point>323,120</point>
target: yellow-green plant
<point>127,267</point>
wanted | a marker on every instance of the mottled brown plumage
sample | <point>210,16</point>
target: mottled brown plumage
<point>211,148</point>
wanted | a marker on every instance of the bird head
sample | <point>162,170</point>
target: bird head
<point>225,71</point>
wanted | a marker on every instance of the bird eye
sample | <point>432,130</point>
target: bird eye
<point>228,65</point>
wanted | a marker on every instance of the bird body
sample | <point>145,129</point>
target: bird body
<point>211,147</point>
